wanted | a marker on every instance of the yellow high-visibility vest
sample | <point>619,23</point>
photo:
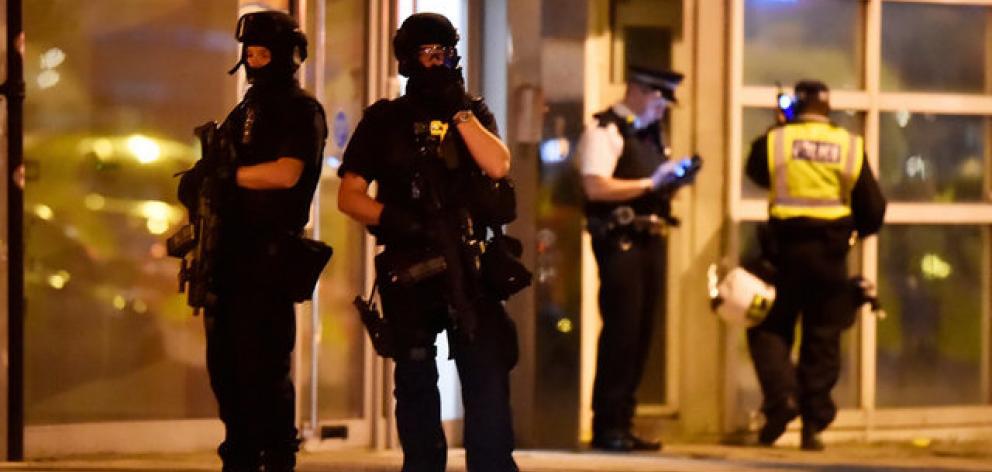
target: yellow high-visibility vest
<point>813,167</point>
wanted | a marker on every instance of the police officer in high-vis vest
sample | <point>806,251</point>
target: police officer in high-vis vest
<point>822,196</point>
<point>625,173</point>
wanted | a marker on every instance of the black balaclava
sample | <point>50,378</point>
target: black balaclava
<point>417,30</point>
<point>281,35</point>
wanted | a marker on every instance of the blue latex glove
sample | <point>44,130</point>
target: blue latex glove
<point>667,173</point>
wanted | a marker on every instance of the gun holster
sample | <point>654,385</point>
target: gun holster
<point>378,327</point>
<point>304,259</point>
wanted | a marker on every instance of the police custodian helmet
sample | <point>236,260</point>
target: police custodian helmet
<point>276,31</point>
<point>417,30</point>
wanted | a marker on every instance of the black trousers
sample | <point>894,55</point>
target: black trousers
<point>250,337</point>
<point>811,288</point>
<point>632,282</point>
<point>484,365</point>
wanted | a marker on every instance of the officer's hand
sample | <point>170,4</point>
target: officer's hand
<point>453,96</point>
<point>397,221</point>
<point>666,174</point>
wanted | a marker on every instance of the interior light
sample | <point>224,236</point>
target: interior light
<point>44,212</point>
<point>94,201</point>
<point>934,267</point>
<point>119,302</point>
<point>145,149</point>
<point>48,78</point>
<point>52,58</point>
<point>157,225</point>
<point>103,148</point>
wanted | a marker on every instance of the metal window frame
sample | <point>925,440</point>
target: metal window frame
<point>873,422</point>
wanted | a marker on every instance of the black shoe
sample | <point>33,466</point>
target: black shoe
<point>775,425</point>
<point>612,442</point>
<point>623,441</point>
<point>810,440</point>
<point>641,444</point>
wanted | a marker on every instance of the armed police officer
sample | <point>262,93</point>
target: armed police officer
<point>429,151</point>
<point>628,181</point>
<point>821,194</point>
<point>278,133</point>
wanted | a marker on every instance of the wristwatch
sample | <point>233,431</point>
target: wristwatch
<point>462,116</point>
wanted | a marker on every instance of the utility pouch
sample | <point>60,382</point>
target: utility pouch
<point>502,271</point>
<point>492,202</point>
<point>304,259</point>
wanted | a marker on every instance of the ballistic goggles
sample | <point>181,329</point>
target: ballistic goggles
<point>446,54</point>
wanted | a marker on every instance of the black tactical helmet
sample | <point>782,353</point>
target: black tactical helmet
<point>812,96</point>
<point>278,32</point>
<point>417,30</point>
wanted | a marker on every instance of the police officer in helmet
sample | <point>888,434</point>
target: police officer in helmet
<point>821,193</point>
<point>420,149</point>
<point>278,131</point>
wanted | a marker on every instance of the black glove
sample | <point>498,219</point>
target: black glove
<point>397,222</point>
<point>453,96</point>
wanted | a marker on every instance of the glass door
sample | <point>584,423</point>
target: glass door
<point>336,394</point>
<point>114,89</point>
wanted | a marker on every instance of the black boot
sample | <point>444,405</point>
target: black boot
<point>623,441</point>
<point>810,440</point>
<point>775,424</point>
<point>238,460</point>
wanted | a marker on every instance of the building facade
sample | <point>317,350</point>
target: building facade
<point>113,360</point>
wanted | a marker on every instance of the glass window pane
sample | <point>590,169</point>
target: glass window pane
<point>813,39</point>
<point>341,355</point>
<point>756,121</point>
<point>930,346</point>
<point>845,393</point>
<point>933,158</point>
<point>937,48</point>
<point>114,89</point>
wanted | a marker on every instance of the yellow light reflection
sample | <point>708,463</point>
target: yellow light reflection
<point>58,280</point>
<point>48,78</point>
<point>564,325</point>
<point>52,58</point>
<point>103,148</point>
<point>139,306</point>
<point>157,225</point>
<point>934,268</point>
<point>145,149</point>
<point>119,302</point>
<point>155,209</point>
<point>94,201</point>
<point>44,212</point>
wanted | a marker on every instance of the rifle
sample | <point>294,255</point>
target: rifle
<point>450,225</point>
<point>203,190</point>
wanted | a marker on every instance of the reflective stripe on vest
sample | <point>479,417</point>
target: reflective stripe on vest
<point>813,168</point>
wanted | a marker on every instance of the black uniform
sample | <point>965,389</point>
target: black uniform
<point>384,149</point>
<point>632,277</point>
<point>810,256</point>
<point>251,330</point>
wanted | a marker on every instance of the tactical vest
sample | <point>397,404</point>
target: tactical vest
<point>642,153</point>
<point>813,167</point>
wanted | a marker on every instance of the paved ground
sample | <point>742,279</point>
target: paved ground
<point>938,457</point>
